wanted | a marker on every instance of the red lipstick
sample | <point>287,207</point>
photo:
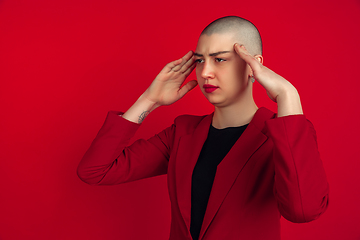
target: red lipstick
<point>209,88</point>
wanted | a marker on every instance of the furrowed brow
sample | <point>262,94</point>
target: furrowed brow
<point>218,53</point>
<point>211,54</point>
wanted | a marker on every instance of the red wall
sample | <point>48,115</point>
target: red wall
<point>64,64</point>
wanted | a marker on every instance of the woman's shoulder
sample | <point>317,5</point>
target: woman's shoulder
<point>186,123</point>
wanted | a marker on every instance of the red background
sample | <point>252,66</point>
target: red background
<point>64,64</point>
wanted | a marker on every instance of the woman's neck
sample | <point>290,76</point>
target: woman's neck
<point>234,115</point>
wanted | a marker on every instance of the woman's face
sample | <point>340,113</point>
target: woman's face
<point>221,74</point>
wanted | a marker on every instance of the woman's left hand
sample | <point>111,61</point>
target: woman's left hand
<point>278,88</point>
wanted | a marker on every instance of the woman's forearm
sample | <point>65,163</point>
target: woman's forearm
<point>140,109</point>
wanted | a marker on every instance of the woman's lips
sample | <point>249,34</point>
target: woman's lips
<point>209,88</point>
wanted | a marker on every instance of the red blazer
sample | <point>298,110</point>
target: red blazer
<point>273,169</point>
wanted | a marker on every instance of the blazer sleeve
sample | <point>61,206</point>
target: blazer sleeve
<point>110,160</point>
<point>300,184</point>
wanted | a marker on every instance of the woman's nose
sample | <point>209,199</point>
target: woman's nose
<point>207,71</point>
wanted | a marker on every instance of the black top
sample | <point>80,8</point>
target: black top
<point>217,145</point>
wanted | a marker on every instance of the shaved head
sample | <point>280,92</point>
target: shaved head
<point>244,32</point>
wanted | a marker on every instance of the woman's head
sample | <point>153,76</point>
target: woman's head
<point>222,75</point>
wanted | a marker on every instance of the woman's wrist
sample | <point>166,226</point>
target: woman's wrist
<point>289,103</point>
<point>140,109</point>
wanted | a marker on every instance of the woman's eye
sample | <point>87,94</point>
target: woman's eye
<point>199,60</point>
<point>219,59</point>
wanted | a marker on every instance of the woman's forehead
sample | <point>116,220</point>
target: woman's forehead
<point>214,43</point>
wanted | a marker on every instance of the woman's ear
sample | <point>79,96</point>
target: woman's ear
<point>259,58</point>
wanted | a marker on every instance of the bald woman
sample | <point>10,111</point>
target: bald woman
<point>233,173</point>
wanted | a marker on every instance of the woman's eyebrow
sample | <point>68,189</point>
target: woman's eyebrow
<point>212,54</point>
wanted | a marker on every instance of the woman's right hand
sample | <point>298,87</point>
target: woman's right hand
<point>166,87</point>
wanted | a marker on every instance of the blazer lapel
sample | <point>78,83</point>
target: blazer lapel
<point>230,167</point>
<point>188,153</point>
